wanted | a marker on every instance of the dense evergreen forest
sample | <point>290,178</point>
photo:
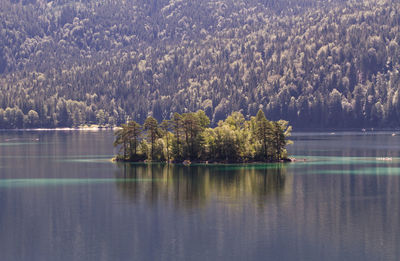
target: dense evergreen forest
<point>188,137</point>
<point>319,63</point>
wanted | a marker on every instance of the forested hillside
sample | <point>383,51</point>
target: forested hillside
<point>314,63</point>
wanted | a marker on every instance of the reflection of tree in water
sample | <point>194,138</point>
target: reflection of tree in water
<point>193,186</point>
<point>260,181</point>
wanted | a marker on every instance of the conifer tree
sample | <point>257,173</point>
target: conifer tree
<point>153,133</point>
<point>165,125</point>
<point>176,123</point>
<point>263,132</point>
<point>134,131</point>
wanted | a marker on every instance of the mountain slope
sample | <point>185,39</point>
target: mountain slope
<point>328,64</point>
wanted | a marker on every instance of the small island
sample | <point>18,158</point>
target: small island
<point>187,138</point>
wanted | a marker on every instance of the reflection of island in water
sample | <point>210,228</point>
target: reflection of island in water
<point>193,186</point>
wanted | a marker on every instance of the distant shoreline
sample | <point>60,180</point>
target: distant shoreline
<point>294,133</point>
<point>83,128</point>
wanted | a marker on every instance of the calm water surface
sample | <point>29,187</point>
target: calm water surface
<point>62,199</point>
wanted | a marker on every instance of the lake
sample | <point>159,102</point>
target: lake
<point>61,198</point>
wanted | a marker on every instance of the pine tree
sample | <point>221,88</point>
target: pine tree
<point>153,133</point>
<point>263,132</point>
<point>134,131</point>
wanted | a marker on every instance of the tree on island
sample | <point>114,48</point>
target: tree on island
<point>193,125</point>
<point>263,132</point>
<point>121,138</point>
<point>280,131</point>
<point>188,137</point>
<point>176,123</point>
<point>165,126</point>
<point>153,133</point>
<point>134,131</point>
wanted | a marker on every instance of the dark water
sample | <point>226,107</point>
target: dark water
<point>62,199</point>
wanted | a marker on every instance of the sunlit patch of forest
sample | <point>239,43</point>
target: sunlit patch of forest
<point>317,64</point>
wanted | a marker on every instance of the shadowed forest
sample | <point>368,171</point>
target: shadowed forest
<point>317,64</point>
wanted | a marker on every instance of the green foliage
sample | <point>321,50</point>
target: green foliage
<point>263,132</point>
<point>187,137</point>
<point>153,133</point>
<point>192,128</point>
<point>317,64</point>
<point>176,123</point>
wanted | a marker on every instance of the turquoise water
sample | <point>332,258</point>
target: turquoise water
<point>61,198</point>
